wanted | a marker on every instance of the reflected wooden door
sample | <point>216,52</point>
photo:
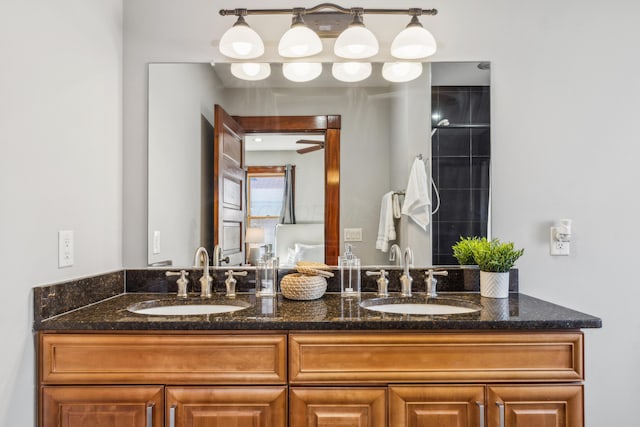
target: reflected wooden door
<point>229,208</point>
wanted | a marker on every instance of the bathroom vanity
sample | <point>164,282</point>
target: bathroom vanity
<point>516,362</point>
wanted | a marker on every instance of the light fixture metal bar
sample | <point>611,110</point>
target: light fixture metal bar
<point>332,6</point>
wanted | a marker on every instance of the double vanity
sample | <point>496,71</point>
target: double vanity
<point>143,357</point>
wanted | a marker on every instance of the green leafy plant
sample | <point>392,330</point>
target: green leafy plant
<point>463,250</point>
<point>495,256</point>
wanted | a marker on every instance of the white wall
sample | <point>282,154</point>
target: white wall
<point>561,73</point>
<point>180,94</point>
<point>61,164</point>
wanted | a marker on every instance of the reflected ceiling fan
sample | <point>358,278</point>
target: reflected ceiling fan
<point>316,145</point>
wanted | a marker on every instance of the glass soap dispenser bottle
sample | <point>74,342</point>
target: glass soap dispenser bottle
<point>349,266</point>
<point>267,274</point>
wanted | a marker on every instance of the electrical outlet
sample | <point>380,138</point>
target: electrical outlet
<point>557,247</point>
<point>65,248</point>
<point>353,234</point>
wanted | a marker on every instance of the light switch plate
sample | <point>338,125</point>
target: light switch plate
<point>353,234</point>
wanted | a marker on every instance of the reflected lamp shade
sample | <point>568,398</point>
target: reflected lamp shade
<point>414,42</point>
<point>400,72</point>
<point>254,235</point>
<point>299,41</point>
<point>251,70</point>
<point>301,71</point>
<point>241,42</point>
<point>356,42</point>
<point>351,71</point>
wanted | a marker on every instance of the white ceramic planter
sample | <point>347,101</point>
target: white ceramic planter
<point>494,285</point>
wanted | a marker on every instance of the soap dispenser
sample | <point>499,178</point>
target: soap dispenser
<point>267,274</point>
<point>349,266</point>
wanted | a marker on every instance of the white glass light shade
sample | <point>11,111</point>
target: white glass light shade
<point>299,41</point>
<point>241,42</point>
<point>356,42</point>
<point>301,71</point>
<point>351,71</point>
<point>414,42</point>
<point>400,72</point>
<point>251,70</point>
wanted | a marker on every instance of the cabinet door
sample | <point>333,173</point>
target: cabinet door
<point>535,406</point>
<point>340,406</point>
<point>65,406</point>
<point>442,406</point>
<point>226,406</point>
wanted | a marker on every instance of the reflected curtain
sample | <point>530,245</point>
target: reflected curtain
<point>287,213</point>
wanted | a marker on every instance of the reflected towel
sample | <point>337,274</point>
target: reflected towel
<point>417,204</point>
<point>386,229</point>
<point>397,213</point>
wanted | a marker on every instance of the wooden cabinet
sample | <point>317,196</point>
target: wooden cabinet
<point>312,379</point>
<point>442,406</point>
<point>72,406</point>
<point>535,405</point>
<point>344,407</point>
<point>226,406</point>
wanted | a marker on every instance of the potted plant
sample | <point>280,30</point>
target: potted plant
<point>495,259</point>
<point>463,252</point>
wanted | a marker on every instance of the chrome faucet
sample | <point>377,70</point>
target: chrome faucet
<point>395,254</point>
<point>217,256</point>
<point>406,279</point>
<point>431,281</point>
<point>202,258</point>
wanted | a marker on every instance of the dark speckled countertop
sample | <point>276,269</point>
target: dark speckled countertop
<point>331,312</point>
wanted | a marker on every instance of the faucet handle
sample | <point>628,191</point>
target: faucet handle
<point>231,281</point>
<point>382,281</point>
<point>182,282</point>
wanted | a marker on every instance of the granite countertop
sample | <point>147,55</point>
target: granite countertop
<point>331,312</point>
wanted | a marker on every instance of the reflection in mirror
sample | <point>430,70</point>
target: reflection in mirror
<point>384,127</point>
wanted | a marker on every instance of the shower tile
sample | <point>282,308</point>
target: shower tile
<point>455,204</point>
<point>481,142</point>
<point>452,142</point>
<point>480,172</point>
<point>454,172</point>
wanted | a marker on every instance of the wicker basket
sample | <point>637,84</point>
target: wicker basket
<point>301,287</point>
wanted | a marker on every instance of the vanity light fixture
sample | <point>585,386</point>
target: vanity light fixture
<point>351,71</point>
<point>414,42</point>
<point>401,72</point>
<point>251,70</point>
<point>301,71</point>
<point>354,43</point>
<point>357,41</point>
<point>299,41</point>
<point>241,41</point>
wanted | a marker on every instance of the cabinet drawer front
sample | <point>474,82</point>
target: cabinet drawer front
<point>365,358</point>
<point>163,359</point>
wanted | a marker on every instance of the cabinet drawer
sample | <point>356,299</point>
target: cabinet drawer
<point>366,358</point>
<point>162,359</point>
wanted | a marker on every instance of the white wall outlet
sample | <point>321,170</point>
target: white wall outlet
<point>156,242</point>
<point>558,247</point>
<point>353,234</point>
<point>65,248</point>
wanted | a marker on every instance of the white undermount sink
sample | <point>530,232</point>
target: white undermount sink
<point>164,308</point>
<point>419,306</point>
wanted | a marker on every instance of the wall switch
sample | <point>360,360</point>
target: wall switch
<point>65,248</point>
<point>353,234</point>
<point>558,247</point>
<point>156,242</point>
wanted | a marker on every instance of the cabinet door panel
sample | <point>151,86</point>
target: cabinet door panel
<point>64,406</point>
<point>342,407</point>
<point>442,406</point>
<point>227,406</point>
<point>536,406</point>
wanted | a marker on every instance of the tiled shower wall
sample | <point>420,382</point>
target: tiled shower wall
<point>461,154</point>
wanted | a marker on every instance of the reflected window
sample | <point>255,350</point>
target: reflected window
<point>265,193</point>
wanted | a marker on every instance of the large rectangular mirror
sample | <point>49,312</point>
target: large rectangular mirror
<point>383,128</point>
